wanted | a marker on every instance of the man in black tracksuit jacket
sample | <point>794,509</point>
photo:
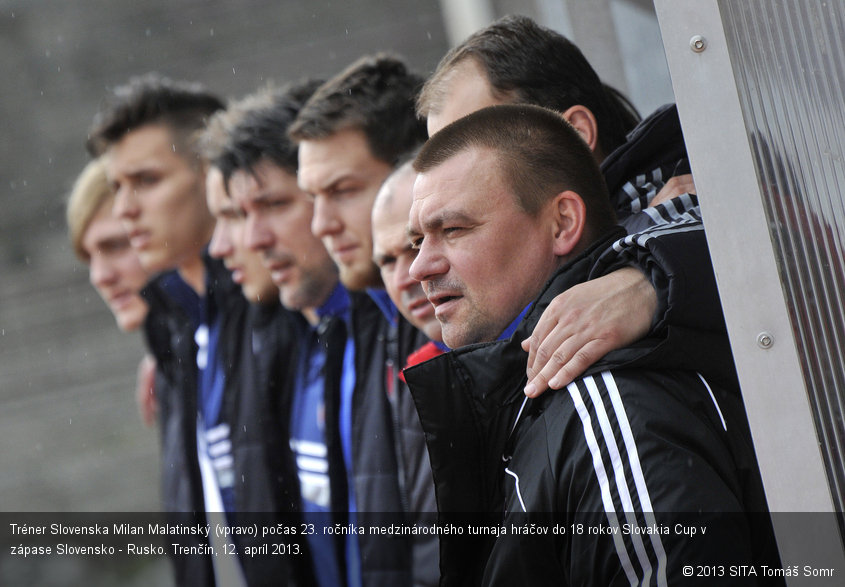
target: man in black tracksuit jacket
<point>266,482</point>
<point>541,458</point>
<point>619,467</point>
<point>653,152</point>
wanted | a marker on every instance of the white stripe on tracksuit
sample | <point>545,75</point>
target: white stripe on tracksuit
<point>603,436</point>
<point>640,239</point>
<point>668,213</point>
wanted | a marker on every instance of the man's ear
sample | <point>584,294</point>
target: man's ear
<point>570,216</point>
<point>583,120</point>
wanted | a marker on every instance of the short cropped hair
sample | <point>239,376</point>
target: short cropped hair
<point>89,194</point>
<point>255,129</point>
<point>526,63</point>
<point>376,95</point>
<point>182,107</point>
<point>539,155</point>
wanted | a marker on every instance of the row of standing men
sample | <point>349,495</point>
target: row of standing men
<point>263,245</point>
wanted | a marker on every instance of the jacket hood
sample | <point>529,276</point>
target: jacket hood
<point>656,140</point>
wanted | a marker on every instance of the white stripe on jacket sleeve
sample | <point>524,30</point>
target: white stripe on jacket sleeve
<point>615,452</point>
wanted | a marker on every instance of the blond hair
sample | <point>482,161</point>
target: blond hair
<point>90,193</point>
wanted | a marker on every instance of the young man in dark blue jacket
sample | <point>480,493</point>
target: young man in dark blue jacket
<point>259,165</point>
<point>253,462</point>
<point>351,134</point>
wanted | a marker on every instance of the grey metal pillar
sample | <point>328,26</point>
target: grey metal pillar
<point>753,191</point>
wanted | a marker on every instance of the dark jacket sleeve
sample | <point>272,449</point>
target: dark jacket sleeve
<point>169,339</point>
<point>677,467</point>
<point>689,316</point>
<point>385,560</point>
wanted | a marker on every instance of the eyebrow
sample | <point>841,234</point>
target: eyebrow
<point>411,232</point>
<point>228,210</point>
<point>144,167</point>
<point>443,217</point>
<point>380,258</point>
<point>333,182</point>
<point>266,195</point>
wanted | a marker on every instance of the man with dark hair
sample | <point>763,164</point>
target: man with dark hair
<point>517,61</point>
<point>638,444</point>
<point>256,398</point>
<point>182,107</point>
<point>227,244</point>
<point>351,134</point>
<point>259,165</point>
<point>147,133</point>
<point>537,163</point>
<point>525,63</point>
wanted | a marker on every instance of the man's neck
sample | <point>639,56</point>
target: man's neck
<point>511,328</point>
<point>193,269</point>
<point>311,316</point>
<point>193,273</point>
<point>313,313</point>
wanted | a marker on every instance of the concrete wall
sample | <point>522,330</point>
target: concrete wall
<point>70,436</point>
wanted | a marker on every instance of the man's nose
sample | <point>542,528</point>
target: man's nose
<point>325,221</point>
<point>256,235</point>
<point>402,274</point>
<point>429,263</point>
<point>101,273</point>
<point>220,246</point>
<point>125,203</point>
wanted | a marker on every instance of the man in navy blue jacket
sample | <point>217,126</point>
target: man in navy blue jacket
<point>259,165</point>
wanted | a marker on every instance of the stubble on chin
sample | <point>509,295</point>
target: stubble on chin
<point>359,277</point>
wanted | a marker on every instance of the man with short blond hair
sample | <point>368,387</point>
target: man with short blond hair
<point>99,239</point>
